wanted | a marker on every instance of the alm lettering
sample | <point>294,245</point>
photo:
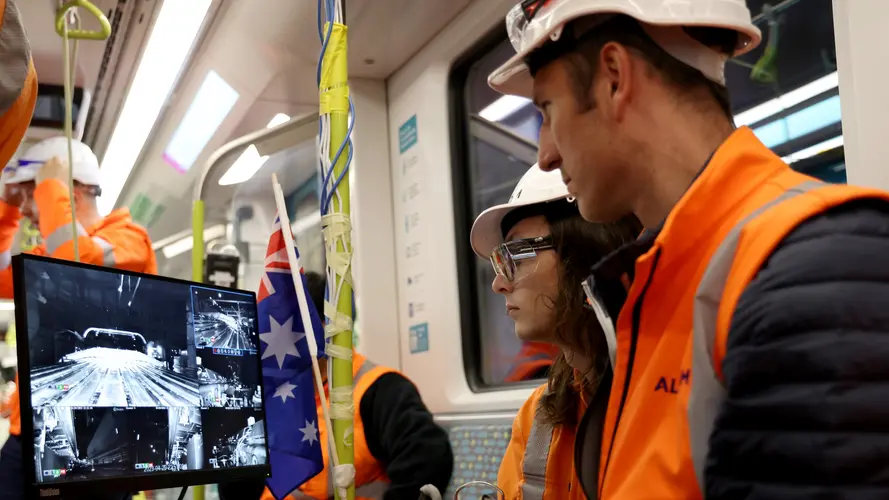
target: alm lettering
<point>672,386</point>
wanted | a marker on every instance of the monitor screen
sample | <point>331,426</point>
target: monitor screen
<point>134,375</point>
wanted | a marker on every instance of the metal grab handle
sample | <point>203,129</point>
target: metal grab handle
<point>500,494</point>
<point>80,34</point>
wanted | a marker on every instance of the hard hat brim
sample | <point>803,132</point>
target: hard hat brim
<point>21,177</point>
<point>514,78</point>
<point>486,234</point>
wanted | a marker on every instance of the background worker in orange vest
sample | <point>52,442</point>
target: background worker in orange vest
<point>751,350</point>
<point>36,187</point>
<point>541,250</point>
<point>398,446</point>
<point>533,361</point>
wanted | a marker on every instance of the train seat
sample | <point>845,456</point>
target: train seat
<point>478,450</point>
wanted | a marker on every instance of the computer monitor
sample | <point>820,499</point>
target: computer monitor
<point>134,381</point>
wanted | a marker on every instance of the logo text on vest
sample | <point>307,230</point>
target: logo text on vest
<point>671,385</point>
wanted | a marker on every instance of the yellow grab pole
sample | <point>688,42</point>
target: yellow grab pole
<point>197,238</point>
<point>334,101</point>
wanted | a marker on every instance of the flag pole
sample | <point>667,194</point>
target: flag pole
<point>296,274</point>
<point>335,156</point>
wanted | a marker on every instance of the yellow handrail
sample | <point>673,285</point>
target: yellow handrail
<point>81,34</point>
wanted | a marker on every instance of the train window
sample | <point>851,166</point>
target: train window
<point>497,144</point>
<point>786,92</point>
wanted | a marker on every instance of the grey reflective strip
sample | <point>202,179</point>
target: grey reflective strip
<point>367,366</point>
<point>15,56</point>
<point>61,236</point>
<point>707,391</point>
<point>107,251</point>
<point>534,463</point>
<point>5,259</point>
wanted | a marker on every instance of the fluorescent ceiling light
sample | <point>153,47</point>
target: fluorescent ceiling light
<point>249,162</point>
<point>187,243</point>
<point>790,99</point>
<point>800,123</point>
<point>212,103</point>
<point>7,305</point>
<point>244,167</point>
<point>172,37</point>
<point>815,150</point>
<point>503,107</point>
<point>279,119</point>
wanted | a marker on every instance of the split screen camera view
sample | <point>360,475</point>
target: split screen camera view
<point>134,375</point>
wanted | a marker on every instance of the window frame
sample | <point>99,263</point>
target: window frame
<point>462,160</point>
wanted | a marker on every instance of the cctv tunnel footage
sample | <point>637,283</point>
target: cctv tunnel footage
<point>228,382</point>
<point>236,438</point>
<point>77,444</point>
<point>224,321</point>
<point>118,387</point>
<point>101,339</point>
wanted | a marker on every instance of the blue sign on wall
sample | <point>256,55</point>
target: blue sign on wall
<point>419,335</point>
<point>407,134</point>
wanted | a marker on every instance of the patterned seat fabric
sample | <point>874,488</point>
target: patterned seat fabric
<point>478,450</point>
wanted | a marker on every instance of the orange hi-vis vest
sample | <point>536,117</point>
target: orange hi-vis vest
<point>672,331</point>
<point>539,460</point>
<point>116,241</point>
<point>371,481</point>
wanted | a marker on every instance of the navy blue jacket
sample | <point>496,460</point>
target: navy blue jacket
<point>807,368</point>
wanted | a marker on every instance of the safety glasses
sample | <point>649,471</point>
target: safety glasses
<point>516,259</point>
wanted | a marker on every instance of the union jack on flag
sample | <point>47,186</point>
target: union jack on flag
<point>287,385</point>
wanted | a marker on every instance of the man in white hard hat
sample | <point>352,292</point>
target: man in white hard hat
<point>36,187</point>
<point>751,350</point>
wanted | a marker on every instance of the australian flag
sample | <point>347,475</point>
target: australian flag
<point>287,384</point>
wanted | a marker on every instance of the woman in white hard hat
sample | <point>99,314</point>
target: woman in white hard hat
<point>542,250</point>
<point>750,354</point>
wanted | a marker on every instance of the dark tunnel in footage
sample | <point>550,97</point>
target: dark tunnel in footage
<point>96,339</point>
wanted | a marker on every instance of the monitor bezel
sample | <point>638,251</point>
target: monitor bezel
<point>126,484</point>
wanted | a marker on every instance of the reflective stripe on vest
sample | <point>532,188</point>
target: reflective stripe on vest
<point>61,236</point>
<point>536,455</point>
<point>707,389</point>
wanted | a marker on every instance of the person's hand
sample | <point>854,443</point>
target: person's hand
<point>55,168</point>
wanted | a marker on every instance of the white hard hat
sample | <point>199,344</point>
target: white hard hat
<point>531,24</point>
<point>86,165</point>
<point>535,187</point>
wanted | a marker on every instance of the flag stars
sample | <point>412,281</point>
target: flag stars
<point>285,391</point>
<point>310,432</point>
<point>281,340</point>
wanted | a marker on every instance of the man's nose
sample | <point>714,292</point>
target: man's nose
<point>548,157</point>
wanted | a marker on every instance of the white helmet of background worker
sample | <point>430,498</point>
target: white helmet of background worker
<point>535,187</point>
<point>532,23</point>
<point>86,165</point>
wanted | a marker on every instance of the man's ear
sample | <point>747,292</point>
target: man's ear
<point>617,73</point>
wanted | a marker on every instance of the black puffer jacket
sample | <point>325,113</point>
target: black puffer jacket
<point>807,368</point>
